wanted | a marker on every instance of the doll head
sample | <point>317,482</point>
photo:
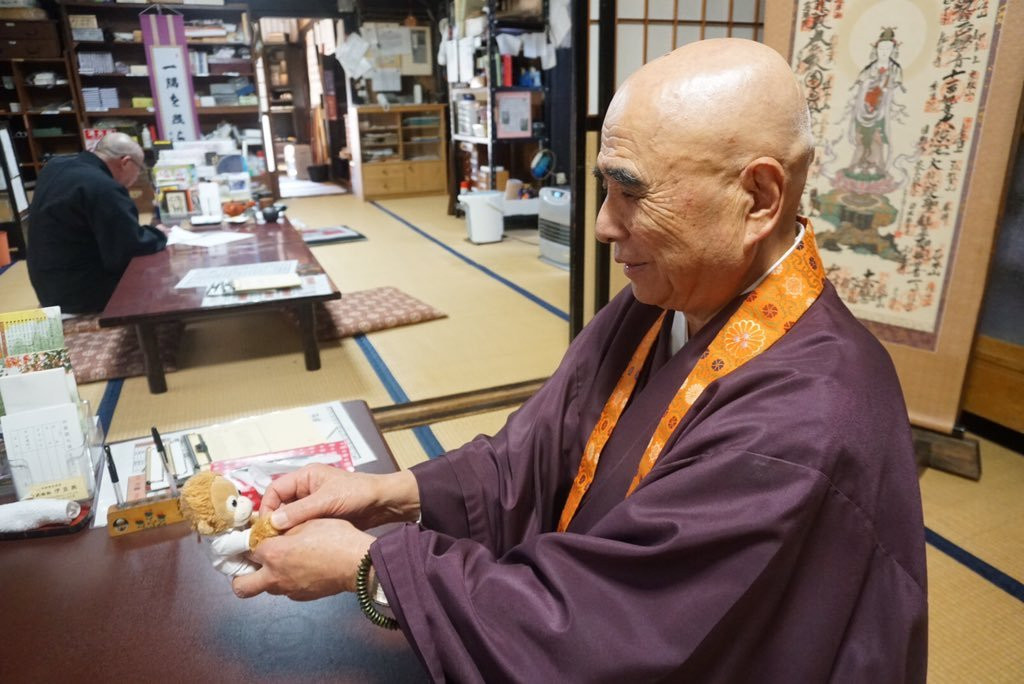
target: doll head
<point>211,503</point>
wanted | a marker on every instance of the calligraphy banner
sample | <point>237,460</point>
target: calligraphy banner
<point>914,107</point>
<point>170,76</point>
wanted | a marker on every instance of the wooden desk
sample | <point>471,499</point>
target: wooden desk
<point>148,607</point>
<point>145,296</point>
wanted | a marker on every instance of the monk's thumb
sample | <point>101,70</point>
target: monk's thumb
<point>296,512</point>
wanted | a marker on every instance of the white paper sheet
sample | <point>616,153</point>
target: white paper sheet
<point>208,238</point>
<point>204,277</point>
<point>466,60</point>
<point>39,389</point>
<point>393,40</point>
<point>387,80</point>
<point>451,60</point>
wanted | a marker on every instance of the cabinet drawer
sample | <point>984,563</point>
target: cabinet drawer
<point>12,49</point>
<point>426,177</point>
<point>383,178</point>
<point>28,30</point>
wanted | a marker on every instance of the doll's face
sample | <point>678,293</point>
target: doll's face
<point>231,507</point>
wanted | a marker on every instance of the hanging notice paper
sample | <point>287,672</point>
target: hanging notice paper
<point>387,80</point>
<point>393,40</point>
<point>350,54</point>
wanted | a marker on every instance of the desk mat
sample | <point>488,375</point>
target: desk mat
<point>105,353</point>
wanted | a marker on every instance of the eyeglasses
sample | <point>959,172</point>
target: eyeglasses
<point>135,161</point>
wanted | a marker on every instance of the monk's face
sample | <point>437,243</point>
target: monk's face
<point>673,212</point>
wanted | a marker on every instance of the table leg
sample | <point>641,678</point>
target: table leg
<point>151,355</point>
<point>307,327</point>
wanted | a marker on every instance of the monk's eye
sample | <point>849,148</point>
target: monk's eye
<point>234,503</point>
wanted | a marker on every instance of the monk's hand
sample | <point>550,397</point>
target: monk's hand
<point>312,560</point>
<point>321,491</point>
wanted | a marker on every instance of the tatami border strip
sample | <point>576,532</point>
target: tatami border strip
<point>483,269</point>
<point>105,411</point>
<point>993,574</point>
<point>427,439</point>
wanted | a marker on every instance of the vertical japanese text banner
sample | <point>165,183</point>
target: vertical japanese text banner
<point>170,76</point>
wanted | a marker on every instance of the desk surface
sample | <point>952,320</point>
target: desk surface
<point>149,607</point>
<point>146,290</point>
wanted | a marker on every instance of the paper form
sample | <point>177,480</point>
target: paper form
<point>205,277</point>
<point>320,424</point>
<point>46,448</point>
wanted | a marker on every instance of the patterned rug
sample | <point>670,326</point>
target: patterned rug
<point>104,353</point>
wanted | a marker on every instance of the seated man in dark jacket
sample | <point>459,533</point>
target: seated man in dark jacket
<point>84,226</point>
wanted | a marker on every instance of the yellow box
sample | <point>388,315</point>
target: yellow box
<point>142,102</point>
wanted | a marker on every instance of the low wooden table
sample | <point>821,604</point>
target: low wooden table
<point>149,607</point>
<point>146,296</point>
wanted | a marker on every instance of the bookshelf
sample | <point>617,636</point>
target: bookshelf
<point>400,151</point>
<point>111,78</point>
<point>37,95</point>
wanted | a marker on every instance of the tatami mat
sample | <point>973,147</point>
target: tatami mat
<point>984,518</point>
<point>976,630</point>
<point>451,434</point>
<point>232,367</point>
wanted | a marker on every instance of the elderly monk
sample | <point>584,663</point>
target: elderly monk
<point>716,485</point>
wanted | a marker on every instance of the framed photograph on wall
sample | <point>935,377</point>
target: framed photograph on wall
<point>513,117</point>
<point>419,62</point>
<point>914,107</point>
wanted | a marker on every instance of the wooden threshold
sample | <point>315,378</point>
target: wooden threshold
<point>437,409</point>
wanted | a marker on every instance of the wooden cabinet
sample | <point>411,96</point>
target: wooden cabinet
<point>398,151</point>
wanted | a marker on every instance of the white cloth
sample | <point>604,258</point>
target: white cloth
<point>32,513</point>
<point>228,552</point>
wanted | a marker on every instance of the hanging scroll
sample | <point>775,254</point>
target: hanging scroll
<point>913,106</point>
<point>170,76</point>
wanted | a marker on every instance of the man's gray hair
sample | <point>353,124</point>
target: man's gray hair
<point>117,145</point>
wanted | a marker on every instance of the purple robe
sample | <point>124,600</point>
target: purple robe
<point>779,537</point>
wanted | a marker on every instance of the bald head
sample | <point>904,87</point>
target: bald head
<point>724,102</point>
<point>704,153</point>
<point>115,145</point>
<point>122,155</point>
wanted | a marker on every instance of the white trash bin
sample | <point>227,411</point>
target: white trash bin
<point>485,215</point>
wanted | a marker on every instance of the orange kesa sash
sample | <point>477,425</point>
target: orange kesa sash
<point>766,314</point>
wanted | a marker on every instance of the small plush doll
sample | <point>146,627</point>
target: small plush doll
<point>212,505</point>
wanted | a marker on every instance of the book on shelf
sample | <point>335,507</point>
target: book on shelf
<point>87,34</point>
<point>77,21</point>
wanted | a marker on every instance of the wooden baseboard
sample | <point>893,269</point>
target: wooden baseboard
<point>994,388</point>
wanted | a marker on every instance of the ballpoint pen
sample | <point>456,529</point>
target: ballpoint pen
<point>113,475</point>
<point>168,470</point>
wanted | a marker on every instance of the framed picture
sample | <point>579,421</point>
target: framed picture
<point>177,202</point>
<point>419,62</point>
<point>914,108</point>
<point>513,115</point>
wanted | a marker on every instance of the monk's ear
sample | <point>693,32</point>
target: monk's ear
<point>764,182</point>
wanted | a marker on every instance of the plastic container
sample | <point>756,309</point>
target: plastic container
<point>485,217</point>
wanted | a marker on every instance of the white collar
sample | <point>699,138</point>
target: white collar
<point>679,335</point>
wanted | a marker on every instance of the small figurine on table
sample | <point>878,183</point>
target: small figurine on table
<point>222,517</point>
